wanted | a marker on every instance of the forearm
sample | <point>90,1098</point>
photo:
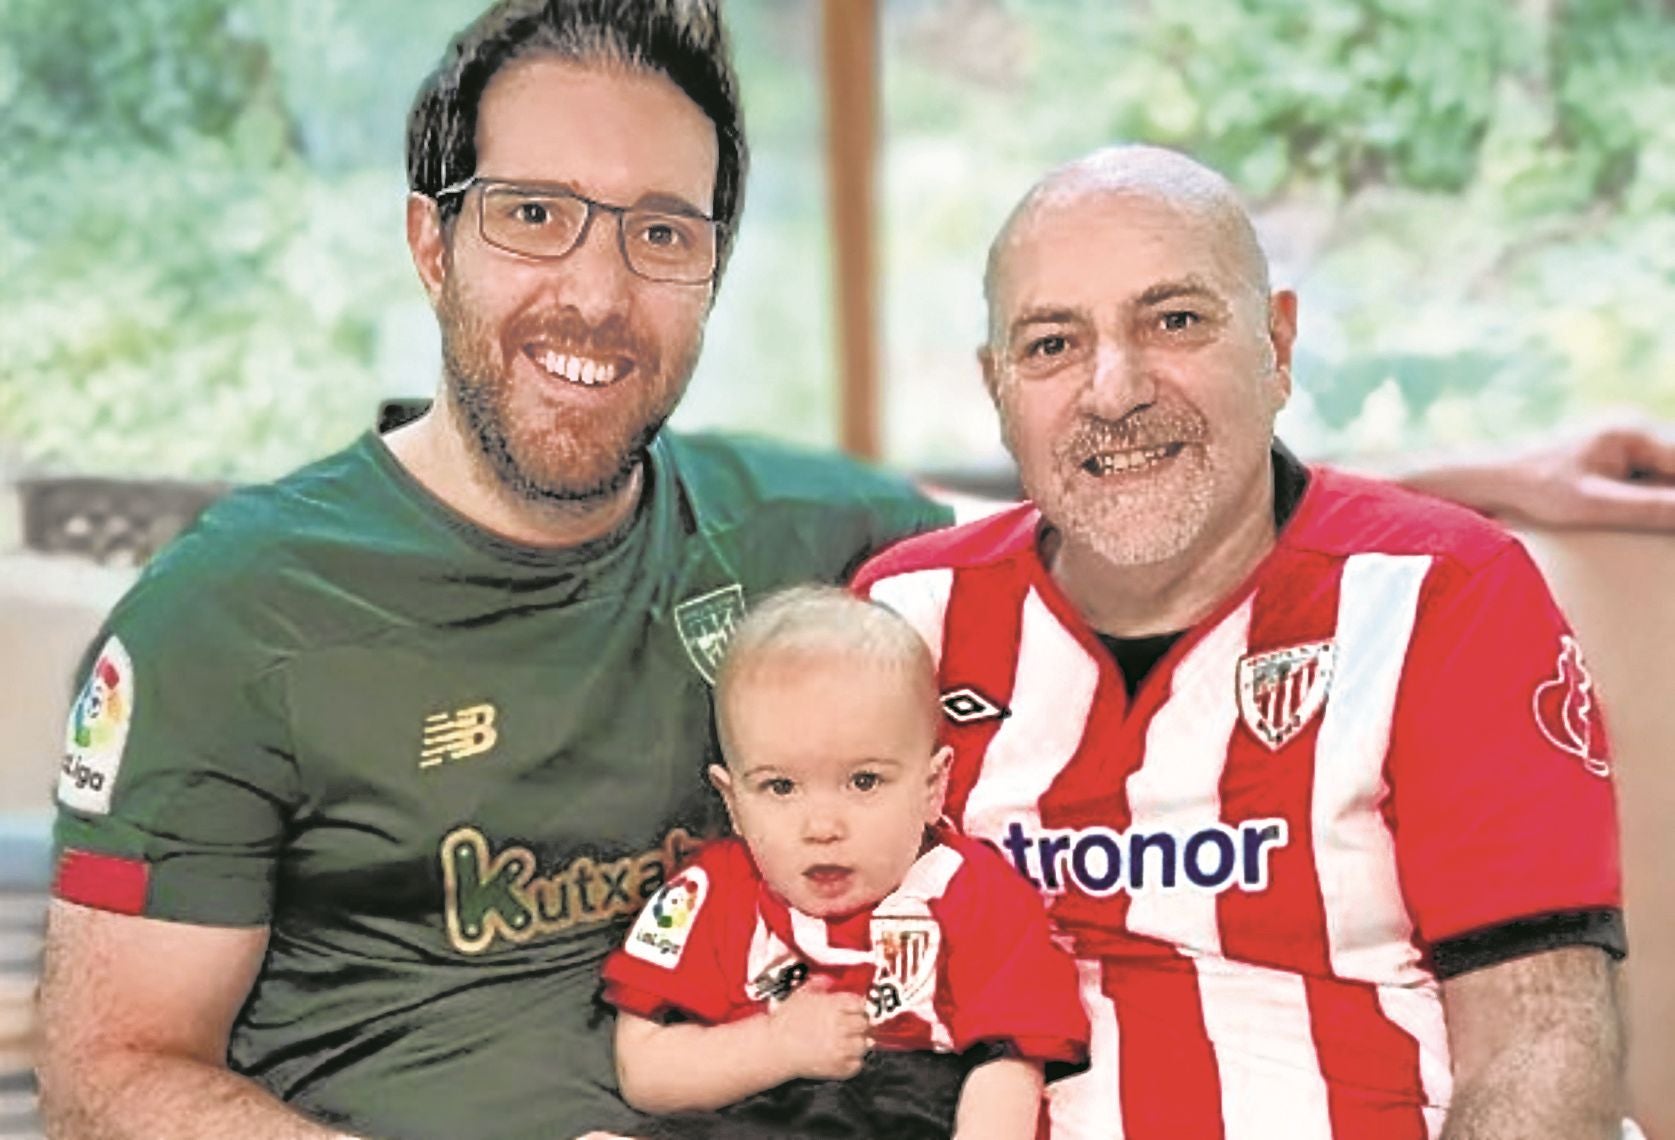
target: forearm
<point>1000,1100</point>
<point>1534,1095</point>
<point>1491,485</point>
<point>121,1095</point>
<point>1538,1049</point>
<point>697,1068</point>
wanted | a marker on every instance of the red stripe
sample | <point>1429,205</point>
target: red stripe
<point>982,628</point>
<point>1283,926</point>
<point>1167,1075</point>
<point>1371,1065</point>
<point>1092,791</point>
<point>105,882</point>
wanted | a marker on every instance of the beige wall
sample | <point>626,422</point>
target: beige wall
<point>50,607</point>
<point>1619,590</point>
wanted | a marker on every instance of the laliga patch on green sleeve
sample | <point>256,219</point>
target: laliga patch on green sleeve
<point>97,732</point>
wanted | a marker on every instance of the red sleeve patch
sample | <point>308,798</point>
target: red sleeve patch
<point>104,882</point>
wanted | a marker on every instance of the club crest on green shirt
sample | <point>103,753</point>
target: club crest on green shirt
<point>706,622</point>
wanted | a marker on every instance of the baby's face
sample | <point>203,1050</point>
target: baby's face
<point>832,776</point>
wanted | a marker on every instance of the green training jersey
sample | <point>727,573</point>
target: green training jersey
<point>443,769</point>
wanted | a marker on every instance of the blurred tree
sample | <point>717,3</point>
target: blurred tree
<point>201,216</point>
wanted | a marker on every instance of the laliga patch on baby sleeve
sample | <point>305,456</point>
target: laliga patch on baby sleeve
<point>660,933</point>
<point>97,732</point>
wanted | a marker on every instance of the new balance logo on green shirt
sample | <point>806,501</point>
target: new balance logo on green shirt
<point>457,735</point>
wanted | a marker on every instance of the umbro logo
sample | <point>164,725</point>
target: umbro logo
<point>966,705</point>
<point>457,735</point>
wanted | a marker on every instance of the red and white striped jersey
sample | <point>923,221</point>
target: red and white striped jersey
<point>957,955</point>
<point>1383,739</point>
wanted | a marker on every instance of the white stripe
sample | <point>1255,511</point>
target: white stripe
<point>766,951</point>
<point>1417,1010</point>
<point>1258,1023</point>
<point>1088,1106</point>
<point>1177,786</point>
<point>810,934</point>
<point>1368,931</point>
<point>920,596</point>
<point>927,879</point>
<point>1052,693</point>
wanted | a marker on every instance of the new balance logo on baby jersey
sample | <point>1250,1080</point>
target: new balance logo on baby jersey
<point>456,735</point>
<point>1103,861</point>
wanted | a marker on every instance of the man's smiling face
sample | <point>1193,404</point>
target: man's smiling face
<point>1137,370</point>
<point>564,369</point>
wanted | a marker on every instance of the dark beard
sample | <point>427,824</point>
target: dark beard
<point>553,462</point>
<point>476,402</point>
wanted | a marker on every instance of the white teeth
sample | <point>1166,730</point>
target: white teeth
<point>1118,462</point>
<point>577,370</point>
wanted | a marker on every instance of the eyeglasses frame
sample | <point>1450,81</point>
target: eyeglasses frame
<point>465,185</point>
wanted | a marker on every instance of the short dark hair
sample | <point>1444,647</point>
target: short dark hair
<point>682,39</point>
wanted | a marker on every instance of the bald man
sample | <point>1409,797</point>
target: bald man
<point>1309,768</point>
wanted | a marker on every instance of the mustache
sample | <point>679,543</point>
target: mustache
<point>566,328</point>
<point>1151,426</point>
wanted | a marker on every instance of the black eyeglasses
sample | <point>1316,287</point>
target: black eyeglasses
<point>534,220</point>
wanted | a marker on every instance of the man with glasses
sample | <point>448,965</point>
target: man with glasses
<point>372,767</point>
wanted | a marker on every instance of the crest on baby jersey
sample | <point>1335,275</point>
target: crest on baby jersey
<point>1281,690</point>
<point>660,933</point>
<point>906,942</point>
<point>1564,708</point>
<point>97,732</point>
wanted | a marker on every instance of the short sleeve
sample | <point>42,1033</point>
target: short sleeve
<point>678,953</point>
<point>1007,980</point>
<point>177,783</point>
<point>1503,804</point>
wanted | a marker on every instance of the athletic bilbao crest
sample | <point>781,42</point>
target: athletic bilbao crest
<point>1281,690</point>
<point>706,622</point>
<point>904,948</point>
<point>1564,706</point>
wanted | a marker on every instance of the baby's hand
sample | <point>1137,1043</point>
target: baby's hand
<point>821,1033</point>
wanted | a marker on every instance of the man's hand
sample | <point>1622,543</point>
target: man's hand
<point>1620,477</point>
<point>823,1034</point>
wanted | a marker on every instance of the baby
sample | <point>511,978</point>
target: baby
<point>843,958</point>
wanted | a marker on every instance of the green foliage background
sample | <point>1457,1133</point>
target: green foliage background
<point>200,218</point>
